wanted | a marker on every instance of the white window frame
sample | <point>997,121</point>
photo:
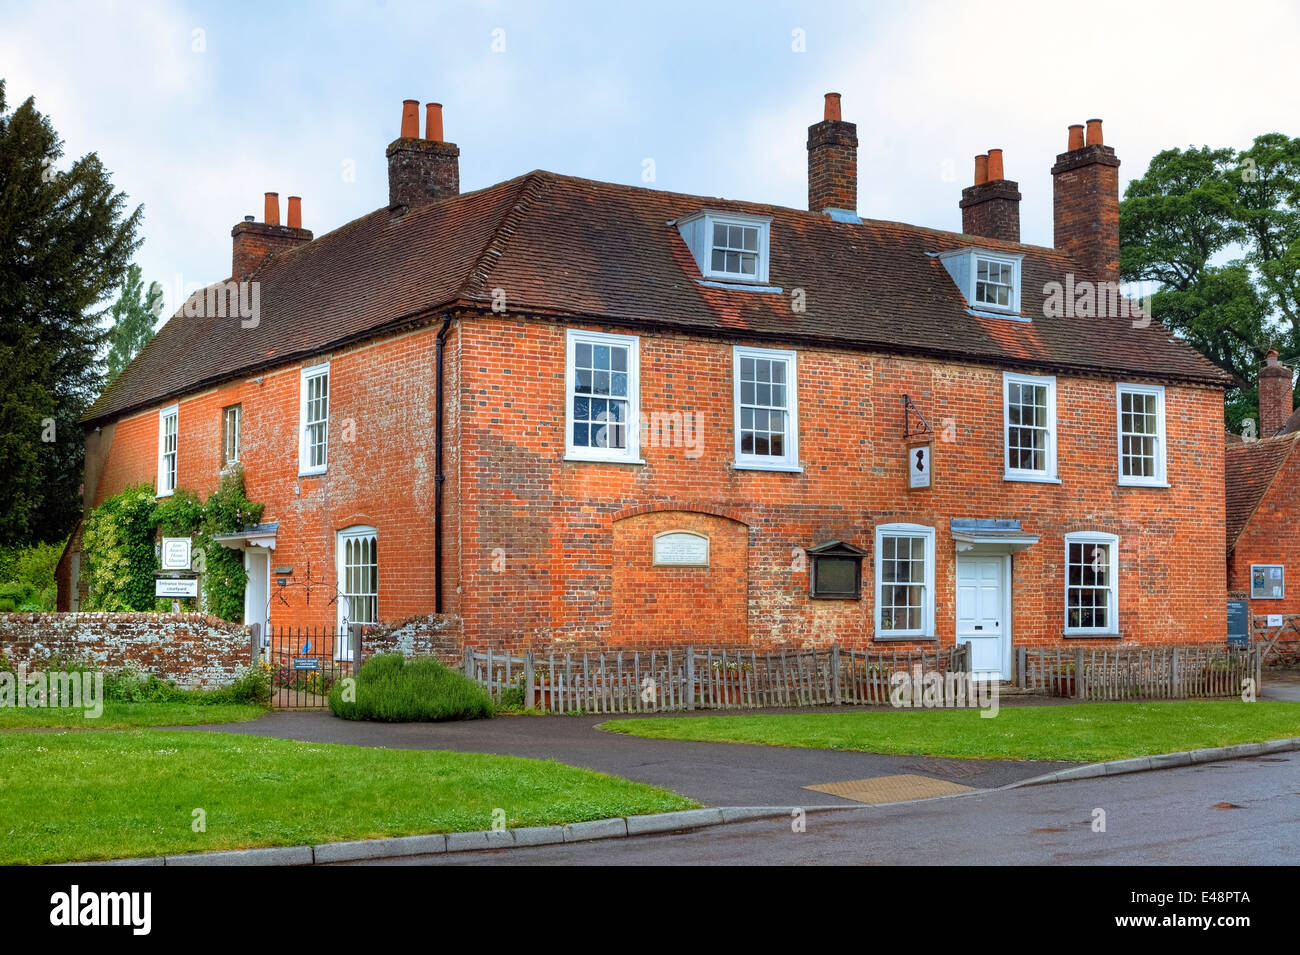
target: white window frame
<point>632,453</point>
<point>238,410</point>
<point>1092,537</point>
<point>1011,260</point>
<point>1049,474</point>
<point>697,232</point>
<point>1160,479</point>
<point>342,643</point>
<point>304,460</point>
<point>764,462</point>
<point>926,630</point>
<point>168,478</point>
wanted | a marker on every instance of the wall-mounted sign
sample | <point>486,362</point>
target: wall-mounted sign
<point>1238,623</point>
<point>176,553</point>
<point>176,587</point>
<point>1267,581</point>
<point>1275,620</point>
<point>918,465</point>
<point>681,549</point>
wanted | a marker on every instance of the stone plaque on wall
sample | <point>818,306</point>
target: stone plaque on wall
<point>681,549</point>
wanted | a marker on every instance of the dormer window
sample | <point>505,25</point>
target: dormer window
<point>995,282</point>
<point>989,281</point>
<point>728,247</point>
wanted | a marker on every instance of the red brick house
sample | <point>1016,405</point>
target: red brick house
<point>586,414</point>
<point>1262,494</point>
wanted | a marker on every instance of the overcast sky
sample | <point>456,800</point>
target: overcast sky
<point>199,108</point>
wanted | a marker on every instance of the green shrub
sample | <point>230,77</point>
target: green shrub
<point>118,542</point>
<point>129,685</point>
<point>393,689</point>
<point>7,605</point>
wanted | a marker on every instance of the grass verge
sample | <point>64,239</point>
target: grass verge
<point>118,715</point>
<point>1086,732</point>
<point>83,796</point>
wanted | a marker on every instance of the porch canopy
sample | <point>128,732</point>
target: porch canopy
<point>254,535</point>
<point>990,537</point>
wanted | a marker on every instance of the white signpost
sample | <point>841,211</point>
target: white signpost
<point>176,587</point>
<point>175,553</point>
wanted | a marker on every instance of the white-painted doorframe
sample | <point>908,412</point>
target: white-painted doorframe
<point>257,607</point>
<point>1004,634</point>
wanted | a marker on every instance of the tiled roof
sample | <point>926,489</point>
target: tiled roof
<point>560,245</point>
<point>1249,471</point>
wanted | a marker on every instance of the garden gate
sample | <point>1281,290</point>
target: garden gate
<point>306,662</point>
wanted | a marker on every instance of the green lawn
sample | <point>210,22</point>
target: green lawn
<point>1088,732</point>
<point>80,796</point>
<point>118,716</point>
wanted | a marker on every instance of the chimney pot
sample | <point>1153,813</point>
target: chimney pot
<point>1275,396</point>
<point>410,119</point>
<point>832,161</point>
<point>421,171</point>
<point>433,122</point>
<point>295,212</point>
<point>271,212</point>
<point>1085,204</point>
<point>981,169</point>
<point>995,165</point>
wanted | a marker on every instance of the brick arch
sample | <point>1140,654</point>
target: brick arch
<point>356,520</point>
<point>671,606</point>
<point>685,507</point>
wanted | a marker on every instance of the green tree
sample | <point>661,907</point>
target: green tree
<point>132,316</point>
<point>66,239</point>
<point>1219,232</point>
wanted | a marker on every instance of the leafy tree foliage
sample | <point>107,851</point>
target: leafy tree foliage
<point>133,316</point>
<point>1219,231</point>
<point>66,238</point>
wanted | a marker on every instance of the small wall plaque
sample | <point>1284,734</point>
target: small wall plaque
<point>1275,620</point>
<point>176,553</point>
<point>681,549</point>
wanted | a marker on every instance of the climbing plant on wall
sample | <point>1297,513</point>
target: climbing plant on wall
<point>226,510</point>
<point>118,552</point>
<point>118,546</point>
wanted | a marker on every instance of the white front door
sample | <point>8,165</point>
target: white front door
<point>257,592</point>
<point>983,618</point>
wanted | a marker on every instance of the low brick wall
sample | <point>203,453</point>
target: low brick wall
<point>432,635</point>
<point>193,650</point>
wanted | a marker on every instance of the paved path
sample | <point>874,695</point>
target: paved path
<point>1173,816</point>
<point>714,774</point>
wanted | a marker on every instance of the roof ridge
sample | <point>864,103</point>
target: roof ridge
<point>530,188</point>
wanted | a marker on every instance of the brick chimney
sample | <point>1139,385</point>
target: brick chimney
<point>833,161</point>
<point>1274,396</point>
<point>421,171</point>
<point>991,207</point>
<point>1085,201</point>
<point>256,241</point>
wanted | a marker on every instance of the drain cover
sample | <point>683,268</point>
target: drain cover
<point>883,789</point>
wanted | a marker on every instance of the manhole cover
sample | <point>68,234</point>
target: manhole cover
<point>883,789</point>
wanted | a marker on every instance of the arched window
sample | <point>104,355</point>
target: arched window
<point>358,576</point>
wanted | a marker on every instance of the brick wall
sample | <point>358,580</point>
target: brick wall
<point>1269,538</point>
<point>380,473</point>
<point>992,209</point>
<point>545,561</point>
<point>427,635</point>
<point>193,650</point>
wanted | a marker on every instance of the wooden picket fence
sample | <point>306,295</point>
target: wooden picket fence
<point>1139,673</point>
<point>635,681</point>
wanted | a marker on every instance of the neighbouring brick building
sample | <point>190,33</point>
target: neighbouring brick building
<point>1262,489</point>
<point>582,414</point>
